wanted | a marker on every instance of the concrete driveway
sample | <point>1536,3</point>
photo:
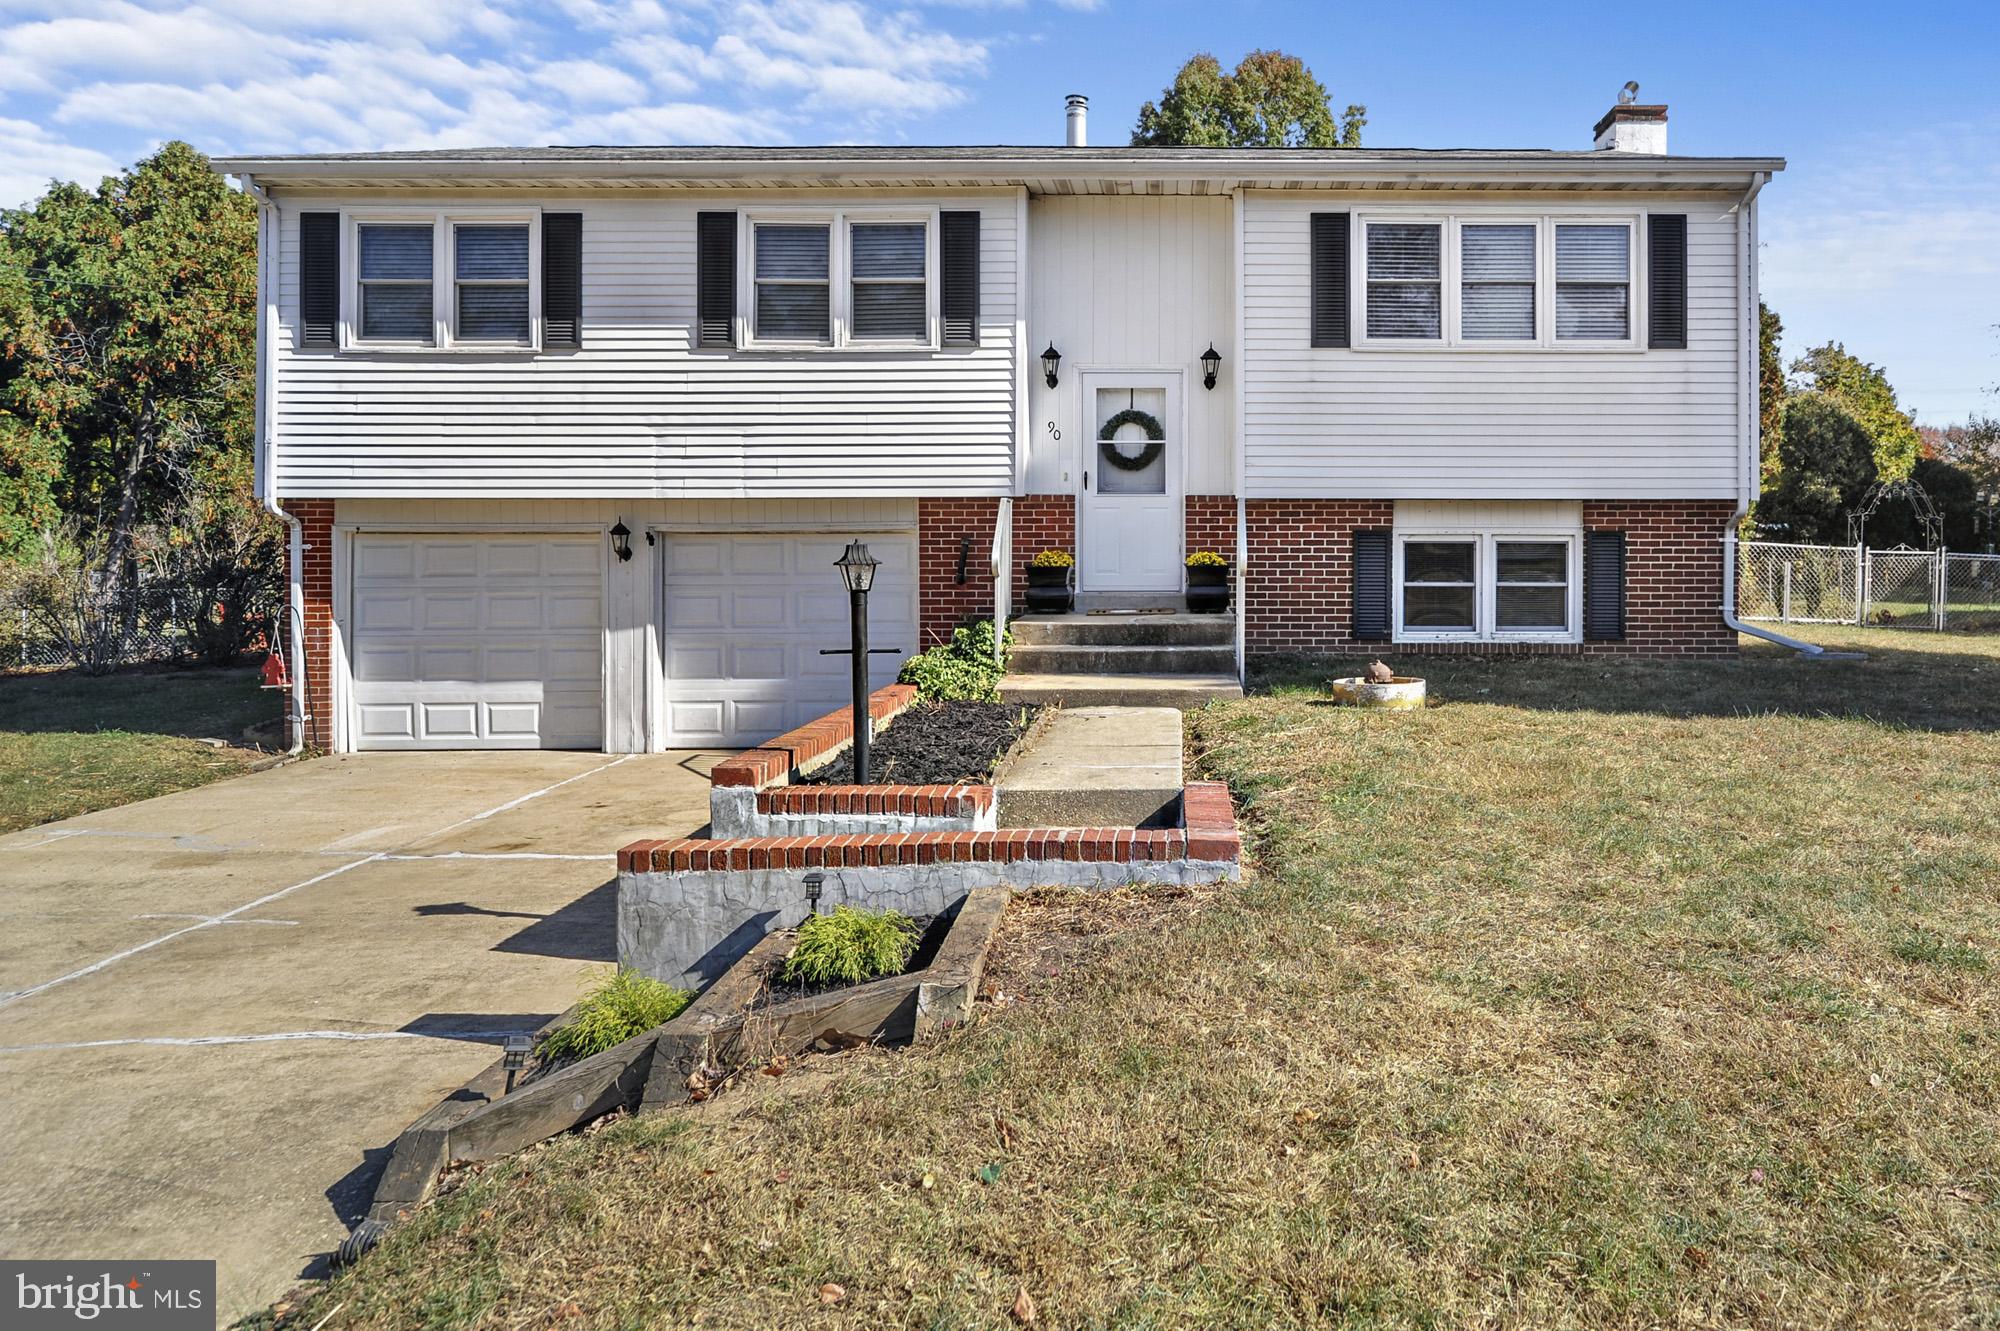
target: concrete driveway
<point>218,1008</point>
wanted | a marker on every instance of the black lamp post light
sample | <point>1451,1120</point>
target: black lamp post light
<point>857,570</point>
<point>1211,365</point>
<point>1050,360</point>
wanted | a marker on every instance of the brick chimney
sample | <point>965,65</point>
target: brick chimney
<point>1631,128</point>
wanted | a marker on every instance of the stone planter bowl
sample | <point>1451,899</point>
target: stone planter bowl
<point>1403,693</point>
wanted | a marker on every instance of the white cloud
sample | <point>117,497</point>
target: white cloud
<point>32,159</point>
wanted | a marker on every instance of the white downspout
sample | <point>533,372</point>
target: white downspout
<point>1746,478</point>
<point>1241,437</point>
<point>267,448</point>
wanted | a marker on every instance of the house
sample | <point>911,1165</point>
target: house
<point>571,436</point>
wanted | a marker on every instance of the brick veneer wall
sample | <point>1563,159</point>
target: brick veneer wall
<point>1211,524</point>
<point>316,522</point>
<point>1300,595</point>
<point>1041,522</point>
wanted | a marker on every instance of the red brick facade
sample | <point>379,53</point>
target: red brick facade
<point>1300,591</point>
<point>1211,524</point>
<point>1041,522</point>
<point>1673,574</point>
<point>316,522</point>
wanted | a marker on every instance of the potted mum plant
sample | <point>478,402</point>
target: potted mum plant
<point>1207,582</point>
<point>1051,582</point>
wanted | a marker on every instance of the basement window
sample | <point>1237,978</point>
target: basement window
<point>1487,587</point>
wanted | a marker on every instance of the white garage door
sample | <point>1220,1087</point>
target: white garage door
<point>477,641</point>
<point>747,615</point>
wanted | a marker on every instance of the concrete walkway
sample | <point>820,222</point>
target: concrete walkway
<point>1095,767</point>
<point>218,1008</point>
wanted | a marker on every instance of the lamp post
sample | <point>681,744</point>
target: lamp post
<point>857,569</point>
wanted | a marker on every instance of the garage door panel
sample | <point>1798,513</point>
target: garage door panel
<point>747,616</point>
<point>477,641</point>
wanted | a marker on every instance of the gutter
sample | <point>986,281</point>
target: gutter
<point>267,450</point>
<point>1746,478</point>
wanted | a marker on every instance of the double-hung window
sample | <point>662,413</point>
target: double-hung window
<point>841,279</point>
<point>1405,281</point>
<point>1593,282</point>
<point>443,281</point>
<point>1487,587</point>
<point>794,275</point>
<point>1496,271</point>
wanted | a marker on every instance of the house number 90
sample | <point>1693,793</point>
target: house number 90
<point>1054,433</point>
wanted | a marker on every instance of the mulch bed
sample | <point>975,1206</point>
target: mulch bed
<point>936,744</point>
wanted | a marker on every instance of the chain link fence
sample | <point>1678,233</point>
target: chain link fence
<point>1834,584</point>
<point>147,624</point>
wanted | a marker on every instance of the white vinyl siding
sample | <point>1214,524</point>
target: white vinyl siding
<point>640,411</point>
<point>1559,420</point>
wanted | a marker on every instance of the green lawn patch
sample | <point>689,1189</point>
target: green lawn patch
<point>70,744</point>
<point>1605,993</point>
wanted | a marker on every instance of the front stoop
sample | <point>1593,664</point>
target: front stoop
<point>1122,660</point>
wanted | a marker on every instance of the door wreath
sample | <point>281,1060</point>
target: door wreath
<point>1156,440</point>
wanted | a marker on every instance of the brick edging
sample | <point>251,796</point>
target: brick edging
<point>774,761</point>
<point>1208,833</point>
<point>917,801</point>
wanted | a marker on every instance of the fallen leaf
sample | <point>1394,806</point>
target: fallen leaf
<point>930,1179</point>
<point>1005,1131</point>
<point>1304,1116</point>
<point>1412,1160</point>
<point>832,1293</point>
<point>989,1174</point>
<point>782,1176</point>
<point>1874,1079</point>
<point>1024,1308</point>
<point>1756,1176</point>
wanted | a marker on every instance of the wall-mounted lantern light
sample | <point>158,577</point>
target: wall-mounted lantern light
<point>1050,359</point>
<point>1211,365</point>
<point>621,541</point>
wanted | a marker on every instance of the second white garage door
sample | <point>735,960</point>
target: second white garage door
<point>482,641</point>
<point>746,617</point>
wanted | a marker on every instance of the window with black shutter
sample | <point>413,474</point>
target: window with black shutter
<point>562,280</point>
<point>319,278</point>
<point>1666,281</point>
<point>715,279</point>
<point>958,277</point>
<point>1330,280</point>
<point>1371,586</point>
<point>1603,586</point>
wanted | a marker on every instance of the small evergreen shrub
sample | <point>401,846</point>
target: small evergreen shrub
<point>850,946</point>
<point>964,669</point>
<point>623,1004</point>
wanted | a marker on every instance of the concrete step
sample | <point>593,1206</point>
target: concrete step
<point>1130,601</point>
<point>1095,660</point>
<point>1181,691</point>
<point>1119,630</point>
<point>1095,767</point>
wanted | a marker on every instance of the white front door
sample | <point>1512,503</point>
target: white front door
<point>1129,527</point>
<point>747,615</point>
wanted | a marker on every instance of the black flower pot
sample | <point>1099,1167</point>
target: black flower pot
<point>1208,589</point>
<point>1049,590</point>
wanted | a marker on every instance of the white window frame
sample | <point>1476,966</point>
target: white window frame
<point>840,265</point>
<point>1632,294</point>
<point>1485,585</point>
<point>1451,266</point>
<point>444,288</point>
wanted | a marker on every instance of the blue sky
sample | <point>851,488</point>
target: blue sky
<point>1884,234</point>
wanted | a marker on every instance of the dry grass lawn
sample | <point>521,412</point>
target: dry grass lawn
<point>1606,994</point>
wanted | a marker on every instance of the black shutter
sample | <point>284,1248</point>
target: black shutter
<point>1371,585</point>
<point>958,277</point>
<point>1604,586</point>
<point>319,278</point>
<point>715,279</point>
<point>1329,281</point>
<point>562,280</point>
<point>1667,280</point>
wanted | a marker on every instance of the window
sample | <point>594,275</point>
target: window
<point>1497,282</point>
<point>1405,281</point>
<point>794,283</point>
<point>1531,586</point>
<point>1593,283</point>
<point>888,268</point>
<point>490,283</point>
<point>1486,586</point>
<point>1439,586</point>
<point>395,282</point>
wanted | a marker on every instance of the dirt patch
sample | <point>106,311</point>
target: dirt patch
<point>1050,932</point>
<point>937,744</point>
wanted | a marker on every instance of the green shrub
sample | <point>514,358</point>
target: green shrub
<point>622,1005</point>
<point>849,946</point>
<point>964,669</point>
